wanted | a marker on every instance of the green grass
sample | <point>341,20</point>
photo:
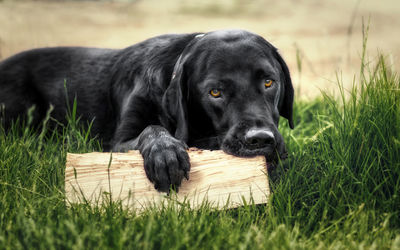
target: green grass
<point>339,189</point>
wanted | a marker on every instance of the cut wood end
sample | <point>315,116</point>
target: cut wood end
<point>221,180</point>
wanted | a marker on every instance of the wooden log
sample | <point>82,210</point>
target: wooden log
<point>221,180</point>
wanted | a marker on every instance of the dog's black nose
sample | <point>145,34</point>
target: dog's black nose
<point>259,138</point>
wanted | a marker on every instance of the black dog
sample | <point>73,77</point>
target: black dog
<point>223,89</point>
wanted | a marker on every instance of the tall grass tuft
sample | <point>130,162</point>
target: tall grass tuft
<point>346,167</point>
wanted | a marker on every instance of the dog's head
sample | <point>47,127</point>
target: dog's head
<point>228,90</point>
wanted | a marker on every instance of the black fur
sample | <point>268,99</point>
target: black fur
<point>155,96</point>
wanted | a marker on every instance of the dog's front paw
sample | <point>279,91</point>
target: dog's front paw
<point>166,163</point>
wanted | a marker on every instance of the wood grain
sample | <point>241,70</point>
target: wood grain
<point>222,180</point>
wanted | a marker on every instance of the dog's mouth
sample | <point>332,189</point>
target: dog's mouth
<point>235,146</point>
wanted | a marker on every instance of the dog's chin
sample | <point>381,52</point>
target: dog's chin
<point>238,149</point>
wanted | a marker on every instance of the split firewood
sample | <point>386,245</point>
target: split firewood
<point>219,179</point>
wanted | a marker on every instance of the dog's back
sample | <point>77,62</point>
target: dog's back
<point>99,79</point>
<point>40,77</point>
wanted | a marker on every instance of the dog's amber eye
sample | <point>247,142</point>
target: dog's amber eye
<point>215,92</point>
<point>267,83</point>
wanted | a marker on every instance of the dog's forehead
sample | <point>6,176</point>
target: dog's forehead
<point>234,55</point>
<point>233,38</point>
<point>232,46</point>
<point>229,34</point>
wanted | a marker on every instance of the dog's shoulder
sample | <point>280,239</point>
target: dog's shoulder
<point>153,59</point>
<point>158,50</point>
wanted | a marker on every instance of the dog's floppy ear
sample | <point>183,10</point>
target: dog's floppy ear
<point>286,109</point>
<point>174,102</point>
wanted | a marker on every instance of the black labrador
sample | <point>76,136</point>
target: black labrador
<point>219,90</point>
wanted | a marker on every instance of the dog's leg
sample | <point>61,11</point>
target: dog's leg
<point>166,161</point>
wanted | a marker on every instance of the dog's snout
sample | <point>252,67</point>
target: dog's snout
<point>259,138</point>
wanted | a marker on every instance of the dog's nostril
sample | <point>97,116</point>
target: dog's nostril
<point>259,138</point>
